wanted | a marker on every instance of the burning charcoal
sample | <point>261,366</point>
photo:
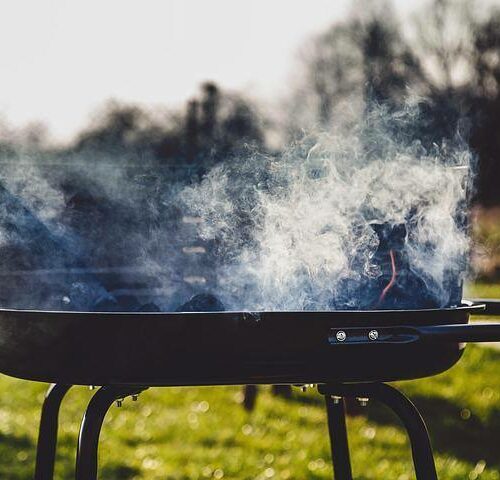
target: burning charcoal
<point>396,286</point>
<point>149,307</point>
<point>106,304</point>
<point>352,296</point>
<point>120,303</point>
<point>37,262</point>
<point>87,295</point>
<point>128,303</point>
<point>203,302</point>
<point>388,257</point>
<point>391,236</point>
<point>399,286</point>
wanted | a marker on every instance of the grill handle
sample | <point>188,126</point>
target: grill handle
<point>476,332</point>
<point>492,306</point>
<point>460,333</point>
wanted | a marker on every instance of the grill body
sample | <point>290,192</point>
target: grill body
<point>219,348</point>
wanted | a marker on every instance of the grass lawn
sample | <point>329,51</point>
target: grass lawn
<point>192,433</point>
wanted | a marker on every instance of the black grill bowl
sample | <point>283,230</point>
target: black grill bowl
<point>220,348</point>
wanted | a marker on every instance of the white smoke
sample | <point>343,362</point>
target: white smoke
<point>308,228</point>
<point>297,231</point>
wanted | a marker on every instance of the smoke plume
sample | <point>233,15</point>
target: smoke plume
<point>314,227</point>
<point>369,215</point>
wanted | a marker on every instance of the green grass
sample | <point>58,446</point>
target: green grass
<point>204,433</point>
<point>485,290</point>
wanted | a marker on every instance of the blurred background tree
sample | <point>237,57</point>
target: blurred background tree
<point>451,58</point>
<point>215,125</point>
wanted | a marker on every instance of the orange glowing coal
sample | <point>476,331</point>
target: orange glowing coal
<point>392,281</point>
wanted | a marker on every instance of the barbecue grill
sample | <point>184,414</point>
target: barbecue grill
<point>347,353</point>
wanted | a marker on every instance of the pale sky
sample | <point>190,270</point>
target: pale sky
<point>60,59</point>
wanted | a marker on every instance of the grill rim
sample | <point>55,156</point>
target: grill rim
<point>466,306</point>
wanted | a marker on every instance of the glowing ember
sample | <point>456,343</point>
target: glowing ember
<point>392,281</point>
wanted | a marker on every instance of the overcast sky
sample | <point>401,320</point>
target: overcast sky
<point>60,59</point>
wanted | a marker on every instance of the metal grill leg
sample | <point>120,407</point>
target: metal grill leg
<point>47,434</point>
<point>335,410</point>
<point>88,440</point>
<point>423,458</point>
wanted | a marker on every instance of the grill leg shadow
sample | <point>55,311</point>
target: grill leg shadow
<point>90,429</point>
<point>423,458</point>
<point>47,433</point>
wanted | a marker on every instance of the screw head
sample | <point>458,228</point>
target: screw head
<point>341,336</point>
<point>135,397</point>
<point>363,401</point>
<point>336,399</point>
<point>373,335</point>
<point>119,402</point>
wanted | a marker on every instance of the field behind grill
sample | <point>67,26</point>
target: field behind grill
<point>182,433</point>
